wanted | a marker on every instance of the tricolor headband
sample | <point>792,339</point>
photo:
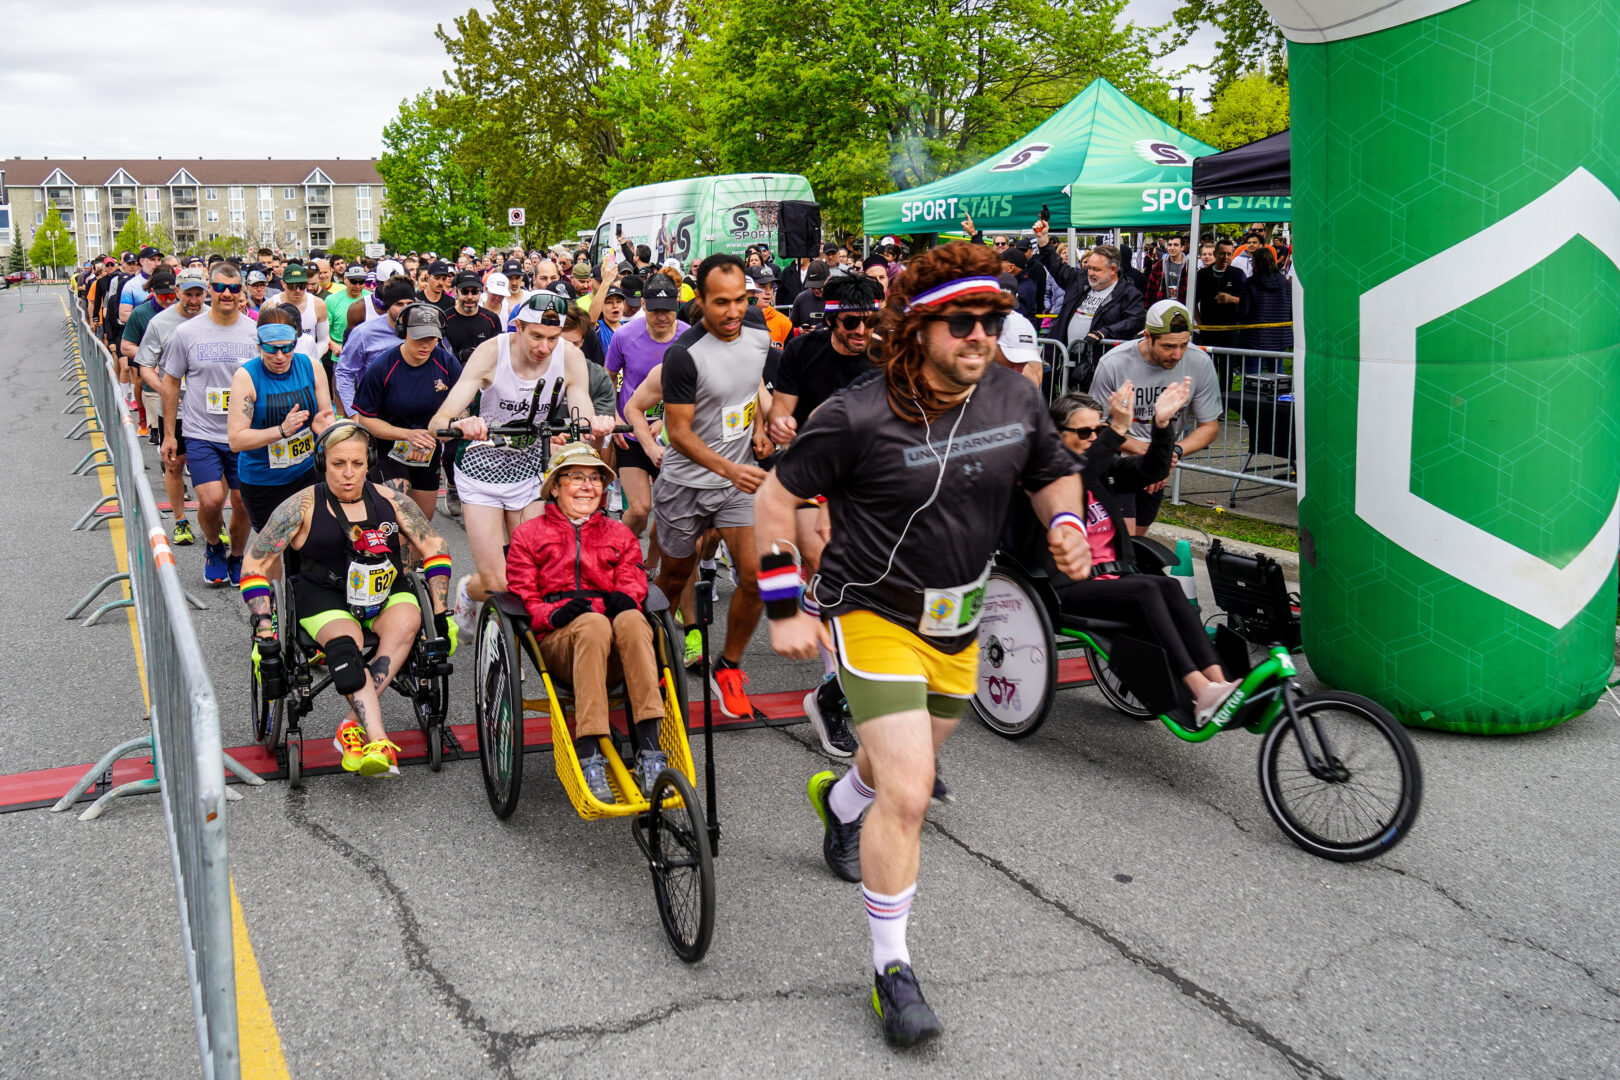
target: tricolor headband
<point>954,290</point>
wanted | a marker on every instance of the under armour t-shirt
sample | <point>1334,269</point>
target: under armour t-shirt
<point>720,380</point>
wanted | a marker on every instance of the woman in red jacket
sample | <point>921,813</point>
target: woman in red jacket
<point>579,574</point>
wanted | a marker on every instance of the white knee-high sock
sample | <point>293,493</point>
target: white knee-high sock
<point>849,797</point>
<point>887,916</point>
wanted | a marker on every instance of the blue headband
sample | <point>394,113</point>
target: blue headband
<point>276,334</point>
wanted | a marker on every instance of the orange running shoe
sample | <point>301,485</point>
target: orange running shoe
<point>351,743</point>
<point>728,684</point>
<point>381,760</point>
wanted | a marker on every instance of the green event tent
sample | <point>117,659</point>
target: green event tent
<point>1101,161</point>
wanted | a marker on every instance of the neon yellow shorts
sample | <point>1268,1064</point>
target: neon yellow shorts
<point>314,623</point>
<point>885,669</point>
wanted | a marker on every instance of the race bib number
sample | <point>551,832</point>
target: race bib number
<point>406,454</point>
<point>219,400</point>
<point>953,612</point>
<point>293,450</point>
<point>368,584</point>
<point>737,421</point>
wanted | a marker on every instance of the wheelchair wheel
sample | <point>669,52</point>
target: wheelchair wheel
<point>498,684</point>
<point>1017,664</point>
<point>270,715</point>
<point>295,763</point>
<point>1365,798</point>
<point>1113,690</point>
<point>676,843</point>
<point>673,644</point>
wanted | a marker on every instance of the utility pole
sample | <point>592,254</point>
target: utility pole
<point>1181,97</point>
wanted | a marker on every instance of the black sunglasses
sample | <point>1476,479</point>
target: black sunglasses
<point>1085,432</point>
<point>469,290</point>
<point>962,323</point>
<point>855,322</point>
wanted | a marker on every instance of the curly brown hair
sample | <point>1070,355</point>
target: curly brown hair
<point>900,331</point>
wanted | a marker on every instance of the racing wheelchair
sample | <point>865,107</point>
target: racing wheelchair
<point>1337,772</point>
<point>423,680</point>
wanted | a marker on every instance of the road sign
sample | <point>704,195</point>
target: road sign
<point>514,216</point>
<point>376,251</point>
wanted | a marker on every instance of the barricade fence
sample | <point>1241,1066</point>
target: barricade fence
<point>184,736</point>
<point>1255,443</point>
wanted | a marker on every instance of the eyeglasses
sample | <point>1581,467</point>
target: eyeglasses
<point>222,287</point>
<point>279,350</point>
<point>1085,432</point>
<point>962,323</point>
<point>855,322</point>
<point>592,478</point>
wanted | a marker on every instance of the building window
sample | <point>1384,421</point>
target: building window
<point>211,194</point>
<point>291,215</point>
<point>151,194</point>
<point>267,195</point>
<point>289,193</point>
<point>213,215</point>
<point>39,218</point>
<point>92,219</point>
<point>238,217</point>
<point>93,243</point>
<point>153,208</point>
<point>365,235</point>
<point>363,193</point>
<point>91,196</point>
<point>267,217</point>
<point>318,238</point>
<point>292,235</point>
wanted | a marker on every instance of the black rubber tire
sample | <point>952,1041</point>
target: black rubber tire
<point>1364,730</point>
<point>675,643</point>
<point>295,763</point>
<point>1113,692</point>
<point>498,686</point>
<point>677,845</point>
<point>269,718</point>
<point>999,640</point>
<point>435,741</point>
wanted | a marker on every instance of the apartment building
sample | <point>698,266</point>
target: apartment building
<point>291,205</point>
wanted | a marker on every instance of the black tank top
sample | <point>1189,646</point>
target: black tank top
<point>334,541</point>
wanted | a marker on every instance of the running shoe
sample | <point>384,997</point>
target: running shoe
<point>729,683</point>
<point>829,715</point>
<point>1210,699</point>
<point>452,503</point>
<point>694,648</point>
<point>182,533</point>
<point>224,533</point>
<point>351,743</point>
<point>215,570</point>
<point>381,760</point>
<point>840,843</point>
<point>233,564</point>
<point>907,1018</point>
<point>466,610</point>
<point>942,795</point>
<point>648,766</point>
<point>595,769</point>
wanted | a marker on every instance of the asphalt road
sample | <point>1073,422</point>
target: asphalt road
<point>1100,900</point>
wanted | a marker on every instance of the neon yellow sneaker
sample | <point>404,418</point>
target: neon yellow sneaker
<point>351,743</point>
<point>381,760</point>
<point>694,648</point>
<point>182,533</point>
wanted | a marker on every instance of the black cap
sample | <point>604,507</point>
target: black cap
<point>149,253</point>
<point>660,294</point>
<point>162,280</point>
<point>512,267</point>
<point>616,290</point>
<point>829,249</point>
<point>467,277</point>
<point>632,284</point>
<point>762,274</point>
<point>816,276</point>
<point>439,268</point>
<point>1016,257</point>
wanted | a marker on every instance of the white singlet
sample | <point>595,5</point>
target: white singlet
<point>506,400</point>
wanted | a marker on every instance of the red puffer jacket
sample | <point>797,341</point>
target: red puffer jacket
<point>550,555</point>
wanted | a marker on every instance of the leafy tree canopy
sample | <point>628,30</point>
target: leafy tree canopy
<point>53,245</point>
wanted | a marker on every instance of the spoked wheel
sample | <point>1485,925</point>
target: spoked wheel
<point>1017,663</point>
<point>676,844</point>
<point>497,681</point>
<point>1113,690</point>
<point>1361,798</point>
<point>295,762</point>
<point>269,714</point>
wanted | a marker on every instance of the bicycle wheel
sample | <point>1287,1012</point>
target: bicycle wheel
<point>676,843</point>
<point>1362,802</point>
<point>1113,690</point>
<point>1017,664</point>
<point>497,681</point>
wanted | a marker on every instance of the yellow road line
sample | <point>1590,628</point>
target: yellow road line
<point>259,1042</point>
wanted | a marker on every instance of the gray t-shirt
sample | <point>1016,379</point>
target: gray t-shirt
<point>1124,361</point>
<point>206,355</point>
<point>1172,275</point>
<point>1080,324</point>
<point>158,333</point>
<point>720,380</point>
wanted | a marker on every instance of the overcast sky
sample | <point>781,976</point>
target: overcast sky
<point>85,79</point>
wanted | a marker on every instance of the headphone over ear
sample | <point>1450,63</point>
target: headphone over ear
<point>330,435</point>
<point>403,321</point>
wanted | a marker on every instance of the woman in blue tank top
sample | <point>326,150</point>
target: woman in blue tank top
<point>278,404</point>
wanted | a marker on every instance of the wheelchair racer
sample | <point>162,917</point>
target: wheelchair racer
<point>347,531</point>
<point>580,575</point>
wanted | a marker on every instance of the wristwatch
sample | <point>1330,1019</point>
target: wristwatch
<point>1178,451</point>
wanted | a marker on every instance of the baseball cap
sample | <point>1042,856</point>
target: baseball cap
<point>764,275</point>
<point>1162,316</point>
<point>617,290</point>
<point>541,304</point>
<point>423,321</point>
<point>1018,343</point>
<point>389,268</point>
<point>752,283</point>
<point>497,285</point>
<point>294,275</point>
<point>355,273</point>
<point>257,277</point>
<point>439,268</point>
<point>829,249</point>
<point>660,294</point>
<point>162,280</point>
<point>149,253</point>
<point>672,264</point>
<point>582,271</point>
<point>192,278</point>
<point>817,275</point>
<point>511,267</point>
<point>127,257</point>
<point>1017,258</point>
<point>887,241</point>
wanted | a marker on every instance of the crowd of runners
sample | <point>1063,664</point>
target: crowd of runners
<point>850,441</point>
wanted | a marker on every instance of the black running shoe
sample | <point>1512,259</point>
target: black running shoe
<point>942,794</point>
<point>829,715</point>
<point>907,1018</point>
<point>840,843</point>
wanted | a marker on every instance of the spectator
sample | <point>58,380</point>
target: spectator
<point>1267,297</point>
<point>1167,275</point>
<point>1220,293</point>
<point>1097,303</point>
<point>1014,262</point>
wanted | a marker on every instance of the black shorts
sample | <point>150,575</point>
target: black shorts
<point>179,432</point>
<point>1142,507</point>
<point>633,456</point>
<point>261,500</point>
<point>424,477</point>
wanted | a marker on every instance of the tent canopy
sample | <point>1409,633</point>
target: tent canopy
<point>1257,168</point>
<point>1100,161</point>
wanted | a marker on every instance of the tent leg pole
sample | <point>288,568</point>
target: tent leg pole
<point>1074,248</point>
<point>1194,243</point>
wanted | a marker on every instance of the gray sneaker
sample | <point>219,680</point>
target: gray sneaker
<point>648,766</point>
<point>596,778</point>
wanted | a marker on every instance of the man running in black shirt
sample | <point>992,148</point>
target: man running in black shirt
<point>468,325</point>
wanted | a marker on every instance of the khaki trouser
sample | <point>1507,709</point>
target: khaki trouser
<point>590,653</point>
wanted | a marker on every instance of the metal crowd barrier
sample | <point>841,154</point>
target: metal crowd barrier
<point>184,740</point>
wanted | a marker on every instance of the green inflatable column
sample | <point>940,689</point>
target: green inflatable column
<point>1455,170</point>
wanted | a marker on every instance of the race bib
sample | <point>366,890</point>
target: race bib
<point>953,612</point>
<point>293,450</point>
<point>219,400</point>
<point>368,584</point>
<point>737,421</point>
<point>406,454</point>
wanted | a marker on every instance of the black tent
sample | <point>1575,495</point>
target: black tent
<point>1258,168</point>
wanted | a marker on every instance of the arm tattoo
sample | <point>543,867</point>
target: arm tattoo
<point>283,525</point>
<point>415,525</point>
<point>439,590</point>
<point>247,407</point>
<point>379,672</point>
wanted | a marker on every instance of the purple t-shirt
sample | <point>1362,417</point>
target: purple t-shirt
<point>633,353</point>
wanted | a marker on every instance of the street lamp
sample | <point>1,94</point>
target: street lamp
<point>1181,96</point>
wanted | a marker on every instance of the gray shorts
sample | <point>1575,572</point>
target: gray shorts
<point>684,513</point>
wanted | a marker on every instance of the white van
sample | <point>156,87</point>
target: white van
<point>692,219</point>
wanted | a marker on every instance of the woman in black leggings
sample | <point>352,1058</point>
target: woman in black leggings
<point>1115,590</point>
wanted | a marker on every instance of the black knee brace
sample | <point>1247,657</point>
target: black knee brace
<point>347,666</point>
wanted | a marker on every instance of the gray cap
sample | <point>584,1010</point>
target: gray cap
<point>423,320</point>
<point>192,277</point>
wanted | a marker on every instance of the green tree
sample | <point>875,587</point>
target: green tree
<point>18,260</point>
<point>53,245</point>
<point>1250,108</point>
<point>437,196</point>
<point>346,248</point>
<point>133,236</point>
<point>1248,39</point>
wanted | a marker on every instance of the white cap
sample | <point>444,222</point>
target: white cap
<point>672,264</point>
<point>497,285</point>
<point>389,268</point>
<point>1018,340</point>
<point>887,241</point>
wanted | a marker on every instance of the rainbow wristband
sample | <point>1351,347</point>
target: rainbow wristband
<point>1066,518</point>
<point>780,585</point>
<point>436,566</point>
<point>254,586</point>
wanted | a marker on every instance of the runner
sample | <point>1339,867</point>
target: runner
<point>467,325</point>
<point>712,379</point>
<point>436,290</point>
<point>916,465</point>
<point>636,349</point>
<point>338,304</point>
<point>296,292</point>
<point>192,284</point>
<point>500,486</point>
<point>161,294</point>
<point>397,396</point>
<point>371,338</point>
<point>205,353</point>
<point>764,291</point>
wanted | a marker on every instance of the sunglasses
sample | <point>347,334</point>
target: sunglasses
<point>469,291</point>
<point>279,350</point>
<point>165,295</point>
<point>962,323</point>
<point>222,287</point>
<point>855,322</point>
<point>1085,432</point>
